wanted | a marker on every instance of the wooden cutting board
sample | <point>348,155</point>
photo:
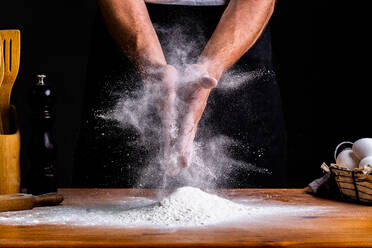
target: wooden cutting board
<point>342,225</point>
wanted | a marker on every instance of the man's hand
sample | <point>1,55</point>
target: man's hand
<point>193,89</point>
<point>161,83</point>
<point>180,99</point>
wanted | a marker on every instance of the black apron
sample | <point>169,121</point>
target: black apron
<point>251,114</point>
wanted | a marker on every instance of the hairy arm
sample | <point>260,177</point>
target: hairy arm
<point>240,26</point>
<point>130,26</point>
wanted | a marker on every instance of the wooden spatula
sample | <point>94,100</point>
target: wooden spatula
<point>11,46</point>
<point>14,202</point>
<point>1,78</point>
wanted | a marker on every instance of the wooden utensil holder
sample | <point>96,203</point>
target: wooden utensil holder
<point>10,145</point>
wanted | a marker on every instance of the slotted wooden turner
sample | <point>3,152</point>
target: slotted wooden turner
<point>11,49</point>
<point>1,78</point>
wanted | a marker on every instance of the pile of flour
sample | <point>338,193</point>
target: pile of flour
<point>186,207</point>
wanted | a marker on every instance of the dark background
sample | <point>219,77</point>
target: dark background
<point>319,50</point>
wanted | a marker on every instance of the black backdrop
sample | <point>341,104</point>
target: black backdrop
<point>318,51</point>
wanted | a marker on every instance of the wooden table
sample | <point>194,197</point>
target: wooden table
<point>340,225</point>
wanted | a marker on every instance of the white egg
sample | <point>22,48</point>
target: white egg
<point>362,148</point>
<point>366,163</point>
<point>347,159</point>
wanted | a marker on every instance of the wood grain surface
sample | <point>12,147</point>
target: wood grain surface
<point>10,147</point>
<point>341,225</point>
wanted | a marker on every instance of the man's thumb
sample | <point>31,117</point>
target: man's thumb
<point>208,82</point>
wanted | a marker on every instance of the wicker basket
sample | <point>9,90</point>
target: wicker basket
<point>354,185</point>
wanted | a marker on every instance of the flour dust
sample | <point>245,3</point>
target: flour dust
<point>211,163</point>
<point>185,207</point>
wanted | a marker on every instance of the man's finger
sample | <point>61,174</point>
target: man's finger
<point>188,131</point>
<point>207,82</point>
<point>183,161</point>
<point>173,170</point>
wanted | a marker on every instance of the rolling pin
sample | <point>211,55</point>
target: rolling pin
<point>14,202</point>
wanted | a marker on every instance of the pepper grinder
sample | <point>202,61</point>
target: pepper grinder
<point>42,175</point>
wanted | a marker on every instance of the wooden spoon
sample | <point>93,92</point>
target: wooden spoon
<point>10,40</point>
<point>14,202</point>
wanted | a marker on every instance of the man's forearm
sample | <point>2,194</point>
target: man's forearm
<point>240,26</point>
<point>129,24</point>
